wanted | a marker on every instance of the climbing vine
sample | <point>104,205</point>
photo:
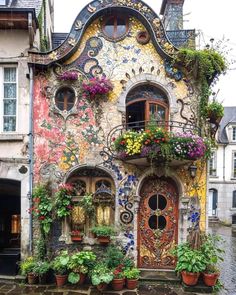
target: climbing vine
<point>206,66</point>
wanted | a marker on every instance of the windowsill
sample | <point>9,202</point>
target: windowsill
<point>11,137</point>
<point>233,178</point>
<point>213,176</point>
<point>232,209</point>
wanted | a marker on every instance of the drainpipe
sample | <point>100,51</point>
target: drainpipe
<point>31,154</point>
<point>224,162</point>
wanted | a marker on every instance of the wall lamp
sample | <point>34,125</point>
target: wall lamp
<point>192,171</point>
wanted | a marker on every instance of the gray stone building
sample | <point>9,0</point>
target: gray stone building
<point>24,25</point>
<point>222,171</point>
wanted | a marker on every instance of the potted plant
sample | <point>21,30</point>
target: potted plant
<point>97,86</point>
<point>132,275</point>
<point>118,278</point>
<point>60,267</point>
<point>76,235</point>
<point>41,269</point>
<point>190,262</point>
<point>215,112</point>
<point>101,276</point>
<point>79,265</point>
<point>27,269</point>
<point>103,233</point>
<point>213,254</point>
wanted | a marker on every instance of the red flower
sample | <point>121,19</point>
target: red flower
<point>41,217</point>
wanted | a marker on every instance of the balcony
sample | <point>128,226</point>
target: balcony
<point>145,142</point>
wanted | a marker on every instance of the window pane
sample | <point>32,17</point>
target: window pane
<point>234,133</point>
<point>121,27</point>
<point>10,90</point>
<point>109,27</point>
<point>161,113</point>
<point>9,74</point>
<point>9,107</point>
<point>9,124</point>
<point>234,199</point>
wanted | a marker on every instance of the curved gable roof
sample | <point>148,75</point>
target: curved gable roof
<point>94,10</point>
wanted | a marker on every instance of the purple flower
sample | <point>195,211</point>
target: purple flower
<point>69,76</point>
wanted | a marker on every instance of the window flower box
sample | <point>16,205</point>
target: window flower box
<point>76,236</point>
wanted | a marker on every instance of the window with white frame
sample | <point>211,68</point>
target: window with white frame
<point>212,165</point>
<point>234,165</point>
<point>234,134</point>
<point>8,98</point>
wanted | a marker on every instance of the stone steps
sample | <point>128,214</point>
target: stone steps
<point>159,276</point>
<point>213,219</point>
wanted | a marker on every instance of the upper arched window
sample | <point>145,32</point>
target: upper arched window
<point>115,27</point>
<point>146,103</point>
<point>65,98</point>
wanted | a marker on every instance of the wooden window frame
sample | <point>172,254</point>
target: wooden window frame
<point>115,17</point>
<point>65,99</point>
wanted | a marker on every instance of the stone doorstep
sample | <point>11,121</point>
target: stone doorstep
<point>168,276</point>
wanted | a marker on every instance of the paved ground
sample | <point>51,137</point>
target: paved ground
<point>146,289</point>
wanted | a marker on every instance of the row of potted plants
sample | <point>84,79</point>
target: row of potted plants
<point>203,260</point>
<point>75,268</point>
<point>156,142</point>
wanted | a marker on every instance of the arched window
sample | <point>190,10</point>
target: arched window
<point>115,27</point>
<point>234,200</point>
<point>65,99</point>
<point>146,103</point>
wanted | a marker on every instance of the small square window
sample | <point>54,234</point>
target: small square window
<point>234,134</point>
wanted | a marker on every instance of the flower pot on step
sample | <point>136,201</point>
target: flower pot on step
<point>32,278</point>
<point>190,278</point>
<point>131,284</point>
<point>102,287</point>
<point>61,280</point>
<point>210,279</point>
<point>117,284</point>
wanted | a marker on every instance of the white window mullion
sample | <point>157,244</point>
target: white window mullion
<point>1,99</point>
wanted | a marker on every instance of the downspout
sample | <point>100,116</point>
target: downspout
<point>31,154</point>
<point>224,162</point>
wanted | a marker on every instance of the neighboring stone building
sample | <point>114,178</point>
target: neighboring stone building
<point>222,171</point>
<point>23,25</point>
<point>74,132</point>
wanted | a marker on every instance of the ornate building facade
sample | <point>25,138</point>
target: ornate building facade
<point>75,132</point>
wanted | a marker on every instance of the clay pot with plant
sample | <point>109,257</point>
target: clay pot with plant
<point>101,276</point>
<point>132,275</point>
<point>103,233</point>
<point>60,267</point>
<point>215,112</point>
<point>41,270</point>
<point>27,268</point>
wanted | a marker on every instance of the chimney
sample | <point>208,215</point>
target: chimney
<point>172,11</point>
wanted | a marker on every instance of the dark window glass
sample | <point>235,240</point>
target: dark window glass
<point>65,99</point>
<point>147,92</point>
<point>152,222</point>
<point>153,202</point>
<point>161,202</point>
<point>161,222</point>
<point>234,199</point>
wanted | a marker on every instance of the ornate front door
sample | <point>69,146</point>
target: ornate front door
<point>157,223</point>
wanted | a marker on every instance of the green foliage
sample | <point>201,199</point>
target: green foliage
<point>41,267</point>
<point>114,256</point>
<point>132,273</point>
<point>215,109</point>
<point>60,263</point>
<point>73,277</point>
<point>212,251</point>
<point>27,266</point>
<point>41,248</point>
<point>189,259</point>
<point>63,200</point>
<point>87,204</point>
<point>206,66</point>
<point>101,274</point>
<point>42,207</point>
<point>218,286</point>
<point>103,230</point>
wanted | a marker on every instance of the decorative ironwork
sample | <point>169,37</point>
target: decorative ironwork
<point>127,216</point>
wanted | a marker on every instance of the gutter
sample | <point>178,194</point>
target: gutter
<point>31,155</point>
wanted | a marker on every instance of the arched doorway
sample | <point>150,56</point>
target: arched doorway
<point>10,225</point>
<point>157,223</point>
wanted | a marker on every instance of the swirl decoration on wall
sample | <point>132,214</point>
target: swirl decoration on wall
<point>127,216</point>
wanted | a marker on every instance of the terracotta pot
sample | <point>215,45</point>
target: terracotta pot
<point>131,284</point>
<point>43,278</point>
<point>102,287</point>
<point>117,284</point>
<point>76,238</point>
<point>210,279</point>
<point>82,278</point>
<point>32,278</point>
<point>190,278</point>
<point>61,280</point>
<point>103,240</point>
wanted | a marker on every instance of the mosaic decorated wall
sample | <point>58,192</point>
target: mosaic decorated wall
<point>64,141</point>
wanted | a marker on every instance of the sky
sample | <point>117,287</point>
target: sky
<point>210,18</point>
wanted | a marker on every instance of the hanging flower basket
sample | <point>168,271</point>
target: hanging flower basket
<point>97,87</point>
<point>68,76</point>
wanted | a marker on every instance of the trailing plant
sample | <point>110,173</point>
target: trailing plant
<point>215,110</point>
<point>42,207</point>
<point>114,256</point>
<point>103,230</point>
<point>63,200</point>
<point>97,85</point>
<point>87,204</point>
<point>206,66</point>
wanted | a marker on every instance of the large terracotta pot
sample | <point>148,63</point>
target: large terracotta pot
<point>32,278</point>
<point>210,279</point>
<point>61,280</point>
<point>102,287</point>
<point>82,278</point>
<point>43,278</point>
<point>117,284</point>
<point>131,284</point>
<point>190,278</point>
<point>103,240</point>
